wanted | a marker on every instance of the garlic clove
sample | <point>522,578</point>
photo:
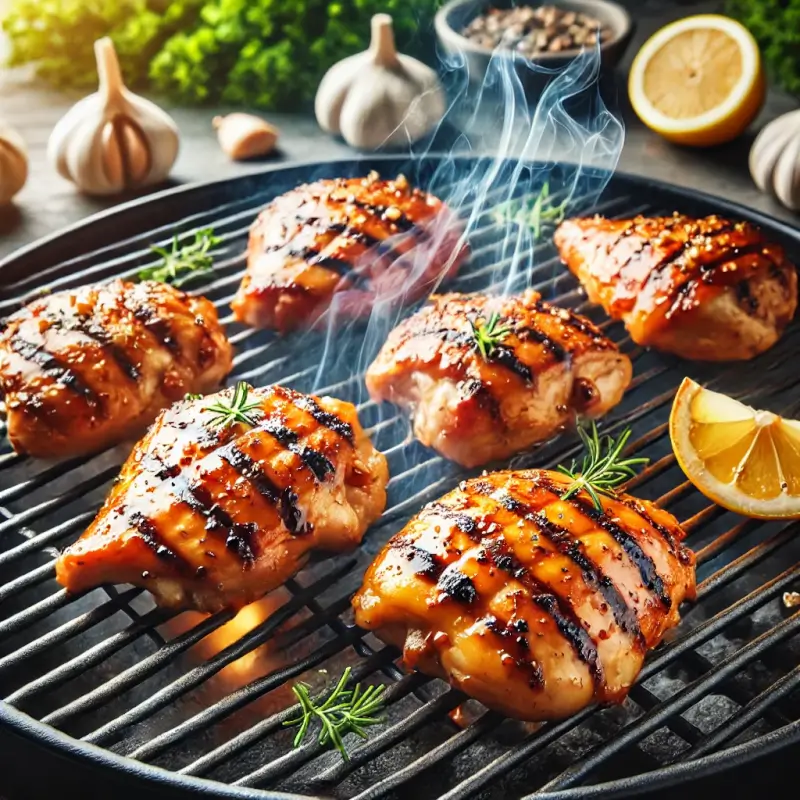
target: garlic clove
<point>13,164</point>
<point>767,148</point>
<point>786,176</point>
<point>242,136</point>
<point>113,140</point>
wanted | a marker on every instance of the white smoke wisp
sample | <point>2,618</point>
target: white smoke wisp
<point>509,143</point>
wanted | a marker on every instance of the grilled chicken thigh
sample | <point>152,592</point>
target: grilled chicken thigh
<point>540,367</point>
<point>533,605</point>
<point>706,289</point>
<point>85,368</point>
<point>210,515</point>
<point>364,241</point>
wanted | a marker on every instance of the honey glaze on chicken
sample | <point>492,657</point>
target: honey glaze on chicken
<point>366,240</point>
<point>209,516</point>
<point>534,605</point>
<point>708,289</point>
<point>85,368</point>
<point>543,366</point>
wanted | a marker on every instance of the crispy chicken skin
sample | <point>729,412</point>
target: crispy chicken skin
<point>207,516</point>
<point>82,369</point>
<point>550,365</point>
<point>706,289</point>
<point>367,241</point>
<point>533,605</point>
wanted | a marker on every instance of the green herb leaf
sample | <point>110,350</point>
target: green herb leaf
<point>534,212</point>
<point>183,261</point>
<point>190,396</point>
<point>602,468</point>
<point>345,711</point>
<point>240,410</point>
<point>487,337</point>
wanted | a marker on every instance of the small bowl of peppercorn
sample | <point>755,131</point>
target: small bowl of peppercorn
<point>549,35</point>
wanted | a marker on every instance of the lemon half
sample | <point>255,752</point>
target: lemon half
<point>745,460</point>
<point>698,81</point>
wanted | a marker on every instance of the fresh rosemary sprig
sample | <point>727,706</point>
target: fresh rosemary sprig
<point>345,711</point>
<point>602,468</point>
<point>184,261</point>
<point>240,408</point>
<point>535,212</point>
<point>487,336</point>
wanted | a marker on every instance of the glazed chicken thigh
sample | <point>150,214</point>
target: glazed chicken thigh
<point>706,289</point>
<point>539,366</point>
<point>85,368</point>
<point>209,515</point>
<point>360,241</point>
<point>534,605</point>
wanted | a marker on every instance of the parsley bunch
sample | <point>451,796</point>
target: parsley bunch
<point>260,53</point>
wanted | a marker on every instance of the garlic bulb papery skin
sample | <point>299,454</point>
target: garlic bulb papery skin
<point>113,140</point>
<point>380,97</point>
<point>13,164</point>
<point>775,159</point>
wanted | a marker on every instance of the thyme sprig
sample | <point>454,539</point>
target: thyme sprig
<point>182,262</point>
<point>345,711</point>
<point>239,410</point>
<point>488,336</point>
<point>535,212</point>
<point>602,468</point>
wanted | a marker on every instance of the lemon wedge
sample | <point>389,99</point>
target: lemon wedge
<point>698,81</point>
<point>745,460</point>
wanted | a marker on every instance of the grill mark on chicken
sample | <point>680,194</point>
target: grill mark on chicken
<point>318,463</point>
<point>647,569</point>
<point>341,267</point>
<point>570,320</point>
<point>93,330</point>
<point>325,418</point>
<point>157,325</point>
<point>402,222</point>
<point>559,609</point>
<point>455,584</point>
<point>529,333</point>
<point>510,634</point>
<point>505,356</point>
<point>149,533</point>
<point>285,500</point>
<point>666,533</point>
<point>53,367</point>
<point>567,544</point>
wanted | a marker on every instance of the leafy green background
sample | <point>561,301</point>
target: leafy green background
<point>775,24</point>
<point>267,54</point>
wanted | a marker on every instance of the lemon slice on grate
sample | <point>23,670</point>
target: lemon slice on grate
<point>745,460</point>
<point>698,81</point>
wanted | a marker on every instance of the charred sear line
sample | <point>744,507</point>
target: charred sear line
<point>666,533</point>
<point>285,500</point>
<point>422,563</point>
<point>218,521</point>
<point>93,330</point>
<point>455,584</point>
<point>52,367</point>
<point>325,418</point>
<point>152,538</point>
<point>402,223</point>
<point>647,569</point>
<point>530,334</point>
<point>461,520</point>
<point>506,357</point>
<point>478,391</point>
<point>511,634</point>
<point>318,463</point>
<point>354,234</point>
<point>566,619</point>
<point>157,325</point>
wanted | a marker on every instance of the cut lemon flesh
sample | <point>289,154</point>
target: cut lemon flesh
<point>745,460</point>
<point>698,81</point>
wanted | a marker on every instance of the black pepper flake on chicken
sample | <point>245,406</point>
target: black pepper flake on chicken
<point>216,515</point>
<point>486,377</point>
<point>542,605</point>
<point>85,368</point>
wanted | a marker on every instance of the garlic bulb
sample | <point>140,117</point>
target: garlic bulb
<point>244,136</point>
<point>113,140</point>
<point>13,164</point>
<point>775,159</point>
<point>380,97</point>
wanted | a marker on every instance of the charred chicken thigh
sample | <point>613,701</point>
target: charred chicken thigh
<point>534,605</point>
<point>215,508</point>
<point>486,377</point>
<point>706,289</point>
<point>362,241</point>
<point>85,368</point>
